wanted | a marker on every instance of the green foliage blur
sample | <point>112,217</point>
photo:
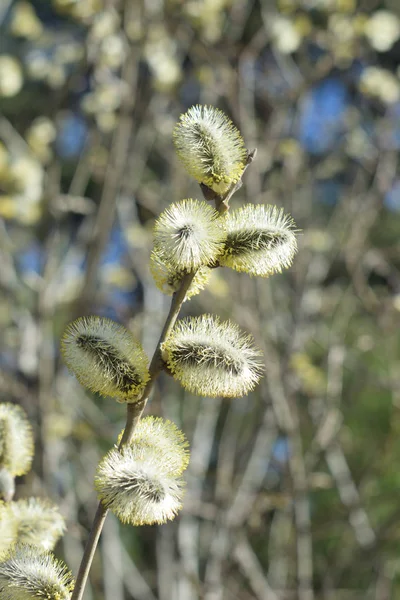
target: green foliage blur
<point>292,492</point>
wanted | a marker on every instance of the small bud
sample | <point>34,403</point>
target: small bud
<point>16,440</point>
<point>165,437</point>
<point>38,521</point>
<point>27,573</point>
<point>210,147</point>
<point>261,240</point>
<point>168,279</point>
<point>134,484</point>
<point>212,358</point>
<point>189,234</point>
<point>105,358</point>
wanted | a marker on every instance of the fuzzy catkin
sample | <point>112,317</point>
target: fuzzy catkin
<point>164,437</point>
<point>212,358</point>
<point>26,573</point>
<point>105,358</point>
<point>39,522</point>
<point>261,240</point>
<point>210,147</point>
<point>168,278</point>
<point>136,486</point>
<point>188,235</point>
<point>16,440</point>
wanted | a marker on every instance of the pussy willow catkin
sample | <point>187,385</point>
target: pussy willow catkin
<point>212,358</point>
<point>137,487</point>
<point>165,437</point>
<point>105,358</point>
<point>261,240</point>
<point>168,278</point>
<point>210,147</point>
<point>189,234</point>
<point>39,522</point>
<point>28,573</point>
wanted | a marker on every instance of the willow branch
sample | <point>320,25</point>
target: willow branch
<point>134,413</point>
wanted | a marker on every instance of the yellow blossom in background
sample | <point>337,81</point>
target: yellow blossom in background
<point>312,378</point>
<point>105,23</point>
<point>24,21</point>
<point>112,51</point>
<point>342,28</point>
<point>380,83</point>
<point>382,30</point>
<point>346,6</point>
<point>21,188</point>
<point>318,240</point>
<point>118,276</point>
<point>106,121</point>
<point>16,440</point>
<point>160,53</point>
<point>208,17</point>
<point>11,77</point>
<point>83,10</point>
<point>39,522</point>
<point>285,36</point>
<point>39,136</point>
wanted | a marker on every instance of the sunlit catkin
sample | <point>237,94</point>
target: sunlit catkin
<point>135,485</point>
<point>16,440</point>
<point>189,234</point>
<point>261,240</point>
<point>105,358</point>
<point>39,522</point>
<point>165,437</point>
<point>26,573</point>
<point>210,147</point>
<point>212,358</point>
